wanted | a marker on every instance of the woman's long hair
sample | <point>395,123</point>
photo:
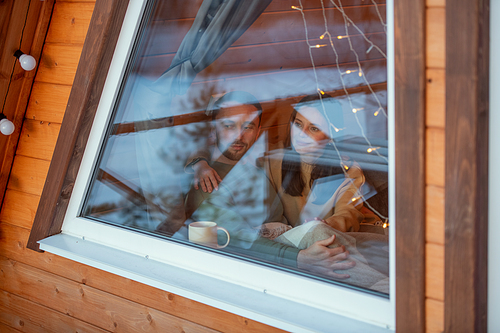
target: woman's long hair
<point>291,179</point>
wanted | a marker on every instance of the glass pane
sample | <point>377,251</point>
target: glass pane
<point>265,122</point>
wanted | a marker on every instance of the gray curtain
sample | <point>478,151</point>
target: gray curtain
<point>218,24</point>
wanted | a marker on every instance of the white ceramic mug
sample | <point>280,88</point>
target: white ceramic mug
<point>205,233</point>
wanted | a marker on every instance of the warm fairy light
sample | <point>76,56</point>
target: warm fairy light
<point>322,36</point>
<point>360,74</point>
<point>356,110</point>
<point>353,199</point>
<point>321,91</point>
<point>317,46</point>
<point>385,225</point>
<point>349,71</point>
<point>346,167</point>
<point>376,113</point>
<point>372,149</point>
<point>340,37</point>
<point>297,8</point>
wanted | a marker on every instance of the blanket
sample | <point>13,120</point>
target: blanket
<point>369,251</point>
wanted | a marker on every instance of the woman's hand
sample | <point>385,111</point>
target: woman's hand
<point>319,258</point>
<point>206,177</point>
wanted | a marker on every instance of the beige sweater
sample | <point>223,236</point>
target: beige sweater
<point>343,213</point>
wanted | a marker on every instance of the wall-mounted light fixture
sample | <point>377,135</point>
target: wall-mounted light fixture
<point>6,126</point>
<point>27,62</point>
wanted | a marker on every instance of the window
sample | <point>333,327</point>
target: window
<point>141,165</point>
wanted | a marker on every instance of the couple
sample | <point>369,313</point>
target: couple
<point>251,207</point>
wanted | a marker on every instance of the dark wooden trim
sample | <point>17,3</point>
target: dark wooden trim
<point>410,134</point>
<point>409,16</point>
<point>89,81</point>
<point>466,187</point>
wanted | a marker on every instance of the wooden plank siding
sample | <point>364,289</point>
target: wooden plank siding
<point>73,296</point>
<point>435,163</point>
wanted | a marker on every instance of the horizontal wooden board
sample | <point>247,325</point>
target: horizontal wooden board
<point>48,102</point>
<point>70,22</point>
<point>28,175</point>
<point>281,85</point>
<point>93,1</point>
<point>434,271</point>
<point>19,208</point>
<point>435,37</point>
<point>86,303</point>
<point>434,214</point>
<point>28,316</point>
<point>7,329</point>
<point>435,98</point>
<point>178,9</point>
<point>275,57</point>
<point>435,3</point>
<point>13,245</point>
<point>434,316</point>
<point>275,27</point>
<point>58,63</point>
<point>434,157</point>
<point>38,139</point>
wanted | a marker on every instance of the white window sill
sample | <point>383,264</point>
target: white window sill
<point>246,302</point>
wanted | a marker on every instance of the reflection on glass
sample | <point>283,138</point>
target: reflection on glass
<point>270,121</point>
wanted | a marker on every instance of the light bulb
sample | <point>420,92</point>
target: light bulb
<point>6,126</point>
<point>27,62</point>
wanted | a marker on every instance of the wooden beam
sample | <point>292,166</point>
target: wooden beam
<point>466,183</point>
<point>87,88</point>
<point>410,156</point>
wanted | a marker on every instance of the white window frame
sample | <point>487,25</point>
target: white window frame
<point>192,272</point>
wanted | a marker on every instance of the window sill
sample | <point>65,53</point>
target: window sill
<point>246,302</point>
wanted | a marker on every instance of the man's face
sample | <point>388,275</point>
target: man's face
<point>237,127</point>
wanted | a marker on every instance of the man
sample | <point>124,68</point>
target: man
<point>245,198</point>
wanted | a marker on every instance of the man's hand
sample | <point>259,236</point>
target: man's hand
<point>206,177</point>
<point>319,258</point>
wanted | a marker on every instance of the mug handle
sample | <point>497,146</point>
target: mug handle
<point>228,238</point>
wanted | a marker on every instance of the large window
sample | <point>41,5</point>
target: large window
<point>286,105</point>
<point>284,108</point>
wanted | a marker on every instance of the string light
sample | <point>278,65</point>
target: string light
<point>297,8</point>
<point>347,22</point>
<point>372,149</point>
<point>317,46</point>
<point>356,110</point>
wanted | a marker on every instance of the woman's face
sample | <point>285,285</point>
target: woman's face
<point>309,130</point>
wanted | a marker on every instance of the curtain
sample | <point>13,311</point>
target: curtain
<point>218,24</point>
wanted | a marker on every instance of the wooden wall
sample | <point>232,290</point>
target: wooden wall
<point>435,152</point>
<point>43,292</point>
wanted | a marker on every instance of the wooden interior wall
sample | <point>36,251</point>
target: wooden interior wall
<point>41,291</point>
<point>435,152</point>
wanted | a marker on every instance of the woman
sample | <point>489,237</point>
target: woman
<point>311,178</point>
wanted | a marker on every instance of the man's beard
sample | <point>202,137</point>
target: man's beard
<point>235,156</point>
